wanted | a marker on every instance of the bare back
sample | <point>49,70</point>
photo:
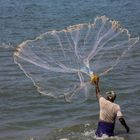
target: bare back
<point>108,110</point>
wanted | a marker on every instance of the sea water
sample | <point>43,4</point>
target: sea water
<point>27,115</point>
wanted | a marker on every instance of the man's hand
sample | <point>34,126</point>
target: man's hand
<point>127,129</point>
<point>94,79</point>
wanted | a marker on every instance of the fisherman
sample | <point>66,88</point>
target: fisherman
<point>109,111</point>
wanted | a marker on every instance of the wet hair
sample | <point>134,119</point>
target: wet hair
<point>111,95</point>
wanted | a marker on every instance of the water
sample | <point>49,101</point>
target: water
<point>26,114</point>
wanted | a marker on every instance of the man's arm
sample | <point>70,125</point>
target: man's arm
<point>98,95</point>
<point>122,121</point>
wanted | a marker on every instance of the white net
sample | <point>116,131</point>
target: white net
<point>60,63</point>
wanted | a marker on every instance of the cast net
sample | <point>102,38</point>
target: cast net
<point>60,63</point>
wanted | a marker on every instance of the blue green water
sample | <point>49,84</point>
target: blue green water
<point>25,114</point>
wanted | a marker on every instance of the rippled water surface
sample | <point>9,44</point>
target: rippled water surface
<point>24,113</point>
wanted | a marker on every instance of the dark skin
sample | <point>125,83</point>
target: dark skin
<point>98,95</point>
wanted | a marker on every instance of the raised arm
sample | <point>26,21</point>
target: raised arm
<point>98,95</point>
<point>95,80</point>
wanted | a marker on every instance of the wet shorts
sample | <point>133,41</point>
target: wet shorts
<point>105,128</point>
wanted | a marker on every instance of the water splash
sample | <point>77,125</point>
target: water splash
<point>60,63</point>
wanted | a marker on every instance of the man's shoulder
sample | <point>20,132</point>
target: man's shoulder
<point>117,105</point>
<point>101,98</point>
